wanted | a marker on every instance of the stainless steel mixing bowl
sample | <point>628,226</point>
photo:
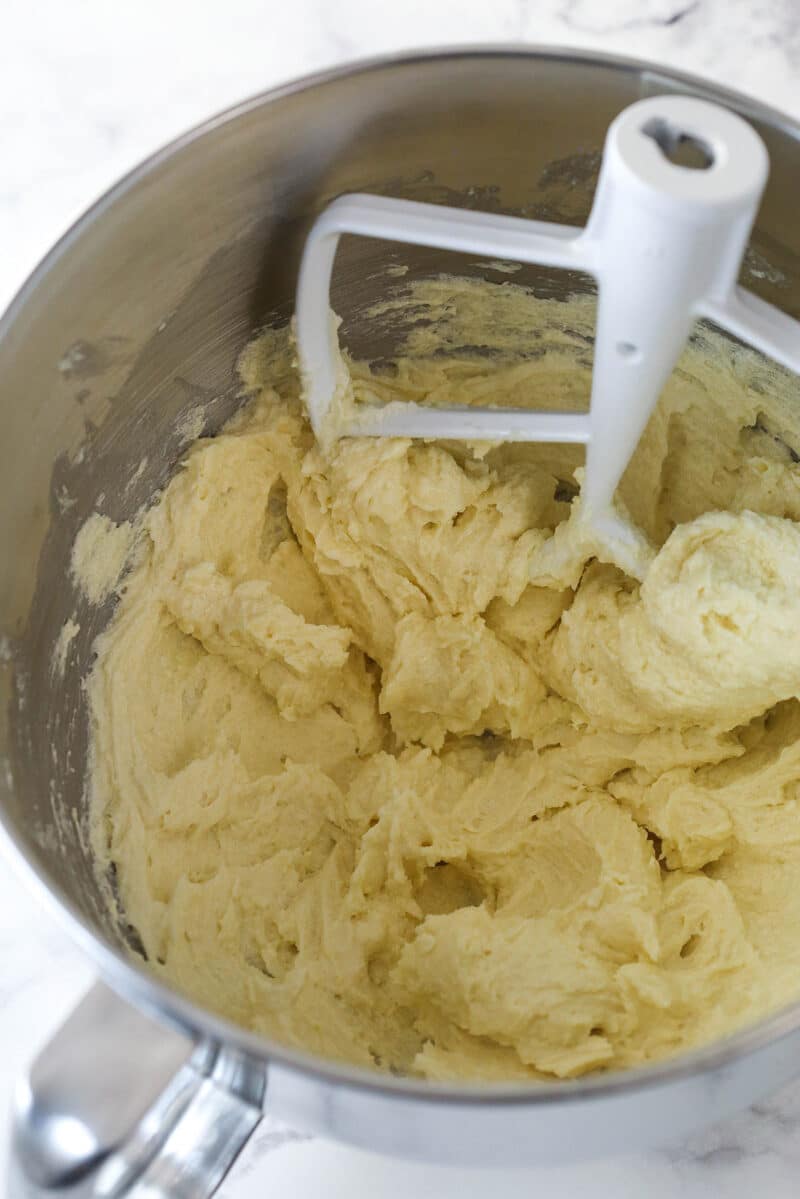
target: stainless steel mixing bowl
<point>135,319</point>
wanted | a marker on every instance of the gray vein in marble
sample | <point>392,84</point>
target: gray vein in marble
<point>576,14</point>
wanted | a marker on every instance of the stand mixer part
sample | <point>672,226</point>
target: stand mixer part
<point>664,242</point>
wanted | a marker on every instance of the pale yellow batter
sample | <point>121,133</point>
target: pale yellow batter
<point>372,792</point>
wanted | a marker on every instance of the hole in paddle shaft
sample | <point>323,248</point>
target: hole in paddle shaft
<point>680,148</point>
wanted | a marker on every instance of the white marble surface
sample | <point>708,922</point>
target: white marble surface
<point>87,88</point>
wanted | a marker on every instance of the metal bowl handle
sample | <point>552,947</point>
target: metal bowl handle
<point>117,1104</point>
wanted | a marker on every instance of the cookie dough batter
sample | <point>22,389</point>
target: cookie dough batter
<point>371,791</point>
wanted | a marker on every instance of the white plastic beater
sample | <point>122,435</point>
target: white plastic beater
<point>665,244</point>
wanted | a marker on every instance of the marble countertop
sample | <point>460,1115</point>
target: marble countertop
<point>89,88</point>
